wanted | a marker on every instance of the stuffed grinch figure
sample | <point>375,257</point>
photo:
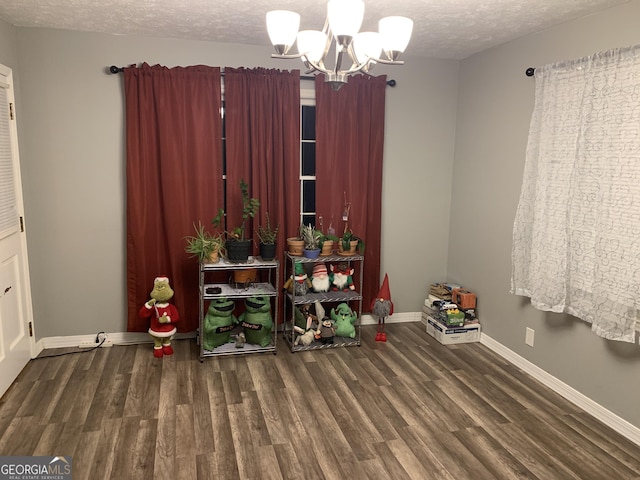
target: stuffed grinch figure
<point>257,320</point>
<point>344,318</point>
<point>218,323</point>
<point>162,315</point>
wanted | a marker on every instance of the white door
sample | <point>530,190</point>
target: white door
<point>16,326</point>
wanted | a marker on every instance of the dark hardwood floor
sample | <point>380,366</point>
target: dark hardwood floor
<point>410,408</point>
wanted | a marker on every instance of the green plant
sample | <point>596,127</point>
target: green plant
<point>266,233</point>
<point>325,236</point>
<point>310,236</point>
<point>249,209</point>
<point>347,237</point>
<point>204,243</point>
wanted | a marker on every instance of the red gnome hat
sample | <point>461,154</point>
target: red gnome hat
<point>384,293</point>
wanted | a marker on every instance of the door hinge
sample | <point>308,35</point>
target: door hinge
<point>11,111</point>
<point>31,329</point>
<point>22,224</point>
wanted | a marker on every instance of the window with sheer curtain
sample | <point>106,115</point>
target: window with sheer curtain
<point>576,235</point>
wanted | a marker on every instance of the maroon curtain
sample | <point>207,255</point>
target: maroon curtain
<point>262,119</point>
<point>349,150</point>
<point>174,178</point>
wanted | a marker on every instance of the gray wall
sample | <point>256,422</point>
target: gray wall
<point>494,108</point>
<point>72,145</point>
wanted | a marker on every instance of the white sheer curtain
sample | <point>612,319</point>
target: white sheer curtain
<point>576,235</point>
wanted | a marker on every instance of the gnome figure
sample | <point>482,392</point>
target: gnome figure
<point>320,278</point>
<point>162,315</point>
<point>382,307</point>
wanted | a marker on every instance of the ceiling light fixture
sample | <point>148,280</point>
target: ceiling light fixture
<point>342,24</point>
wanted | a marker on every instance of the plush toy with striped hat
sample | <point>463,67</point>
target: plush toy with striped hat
<point>320,280</point>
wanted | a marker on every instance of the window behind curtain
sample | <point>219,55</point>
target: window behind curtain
<point>576,236</point>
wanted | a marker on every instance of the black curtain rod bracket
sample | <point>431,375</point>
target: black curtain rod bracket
<point>113,69</point>
<point>530,72</point>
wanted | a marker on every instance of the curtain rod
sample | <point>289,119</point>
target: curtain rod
<point>113,69</point>
<point>529,72</point>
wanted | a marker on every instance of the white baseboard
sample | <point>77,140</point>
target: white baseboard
<point>607,417</point>
<point>116,338</point>
<point>367,319</point>
<point>132,338</point>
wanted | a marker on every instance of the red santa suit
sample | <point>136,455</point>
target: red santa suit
<point>155,312</point>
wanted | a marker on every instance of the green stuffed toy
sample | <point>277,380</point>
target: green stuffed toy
<point>344,318</point>
<point>162,316</point>
<point>257,321</point>
<point>218,323</point>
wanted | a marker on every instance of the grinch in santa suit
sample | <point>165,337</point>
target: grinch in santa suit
<point>163,316</point>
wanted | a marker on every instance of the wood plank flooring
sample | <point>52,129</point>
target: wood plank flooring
<point>407,409</point>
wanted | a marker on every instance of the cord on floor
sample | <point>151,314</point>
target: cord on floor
<point>84,350</point>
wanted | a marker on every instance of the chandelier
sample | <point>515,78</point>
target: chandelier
<point>354,51</point>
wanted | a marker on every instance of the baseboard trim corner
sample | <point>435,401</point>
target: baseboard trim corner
<point>607,417</point>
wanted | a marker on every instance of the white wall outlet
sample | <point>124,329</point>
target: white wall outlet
<point>93,343</point>
<point>528,337</point>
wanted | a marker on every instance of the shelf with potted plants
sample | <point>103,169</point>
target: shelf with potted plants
<point>301,293</point>
<point>250,279</point>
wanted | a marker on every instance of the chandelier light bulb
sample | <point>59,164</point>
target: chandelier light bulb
<point>345,18</point>
<point>311,44</point>
<point>367,46</point>
<point>354,52</point>
<point>395,33</point>
<point>282,26</point>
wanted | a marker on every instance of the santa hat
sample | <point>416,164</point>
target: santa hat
<point>384,293</point>
<point>319,269</point>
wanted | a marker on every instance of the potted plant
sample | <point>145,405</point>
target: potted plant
<point>205,246</point>
<point>267,235</point>
<point>311,238</point>
<point>238,248</point>
<point>350,243</point>
<point>327,242</point>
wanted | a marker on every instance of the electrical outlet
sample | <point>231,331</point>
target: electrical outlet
<point>528,337</point>
<point>93,344</point>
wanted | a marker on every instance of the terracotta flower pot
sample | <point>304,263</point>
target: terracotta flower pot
<point>295,245</point>
<point>351,251</point>
<point>245,277</point>
<point>214,257</point>
<point>327,248</point>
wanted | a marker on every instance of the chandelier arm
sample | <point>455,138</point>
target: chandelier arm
<point>318,67</point>
<point>387,62</point>
<point>286,56</point>
<point>339,55</point>
<point>327,44</point>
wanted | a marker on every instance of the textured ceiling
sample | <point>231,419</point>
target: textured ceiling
<point>442,28</point>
